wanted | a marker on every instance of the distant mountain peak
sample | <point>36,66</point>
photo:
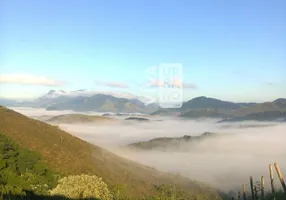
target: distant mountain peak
<point>54,93</point>
<point>280,100</point>
<point>51,92</point>
<point>201,98</point>
<point>204,98</point>
<point>207,102</point>
<point>89,93</point>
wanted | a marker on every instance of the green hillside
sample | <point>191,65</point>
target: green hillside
<point>66,155</point>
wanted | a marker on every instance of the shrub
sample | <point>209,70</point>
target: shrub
<point>82,186</point>
<point>9,189</point>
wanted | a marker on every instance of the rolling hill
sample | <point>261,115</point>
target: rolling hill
<point>276,105</point>
<point>204,107</point>
<point>206,102</point>
<point>260,116</point>
<point>78,118</point>
<point>67,155</point>
<point>137,119</point>
<point>207,113</point>
<point>169,143</point>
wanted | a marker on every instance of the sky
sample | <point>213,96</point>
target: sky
<point>232,50</point>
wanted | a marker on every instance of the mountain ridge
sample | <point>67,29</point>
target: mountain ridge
<point>214,108</point>
<point>198,107</point>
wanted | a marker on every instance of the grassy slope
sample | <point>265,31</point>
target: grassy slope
<point>77,118</point>
<point>70,155</point>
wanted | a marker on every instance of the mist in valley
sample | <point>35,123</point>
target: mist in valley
<point>240,150</point>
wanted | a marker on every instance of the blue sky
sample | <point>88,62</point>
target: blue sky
<point>233,50</point>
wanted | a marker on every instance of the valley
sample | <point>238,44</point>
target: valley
<point>142,100</point>
<point>190,148</point>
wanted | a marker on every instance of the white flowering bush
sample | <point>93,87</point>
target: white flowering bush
<point>82,186</point>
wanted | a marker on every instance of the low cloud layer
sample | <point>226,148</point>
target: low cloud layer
<point>240,151</point>
<point>225,161</point>
<point>23,78</point>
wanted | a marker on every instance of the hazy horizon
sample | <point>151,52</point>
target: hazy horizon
<point>187,99</point>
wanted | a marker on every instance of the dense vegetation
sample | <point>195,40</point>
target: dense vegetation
<point>82,186</point>
<point>21,169</point>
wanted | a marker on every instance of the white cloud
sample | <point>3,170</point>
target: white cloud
<point>23,78</point>
<point>190,86</point>
<point>112,84</point>
<point>176,83</point>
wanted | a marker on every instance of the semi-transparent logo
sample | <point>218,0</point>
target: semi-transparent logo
<point>164,85</point>
<point>170,88</point>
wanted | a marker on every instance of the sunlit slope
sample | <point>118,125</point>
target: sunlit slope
<point>70,155</point>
